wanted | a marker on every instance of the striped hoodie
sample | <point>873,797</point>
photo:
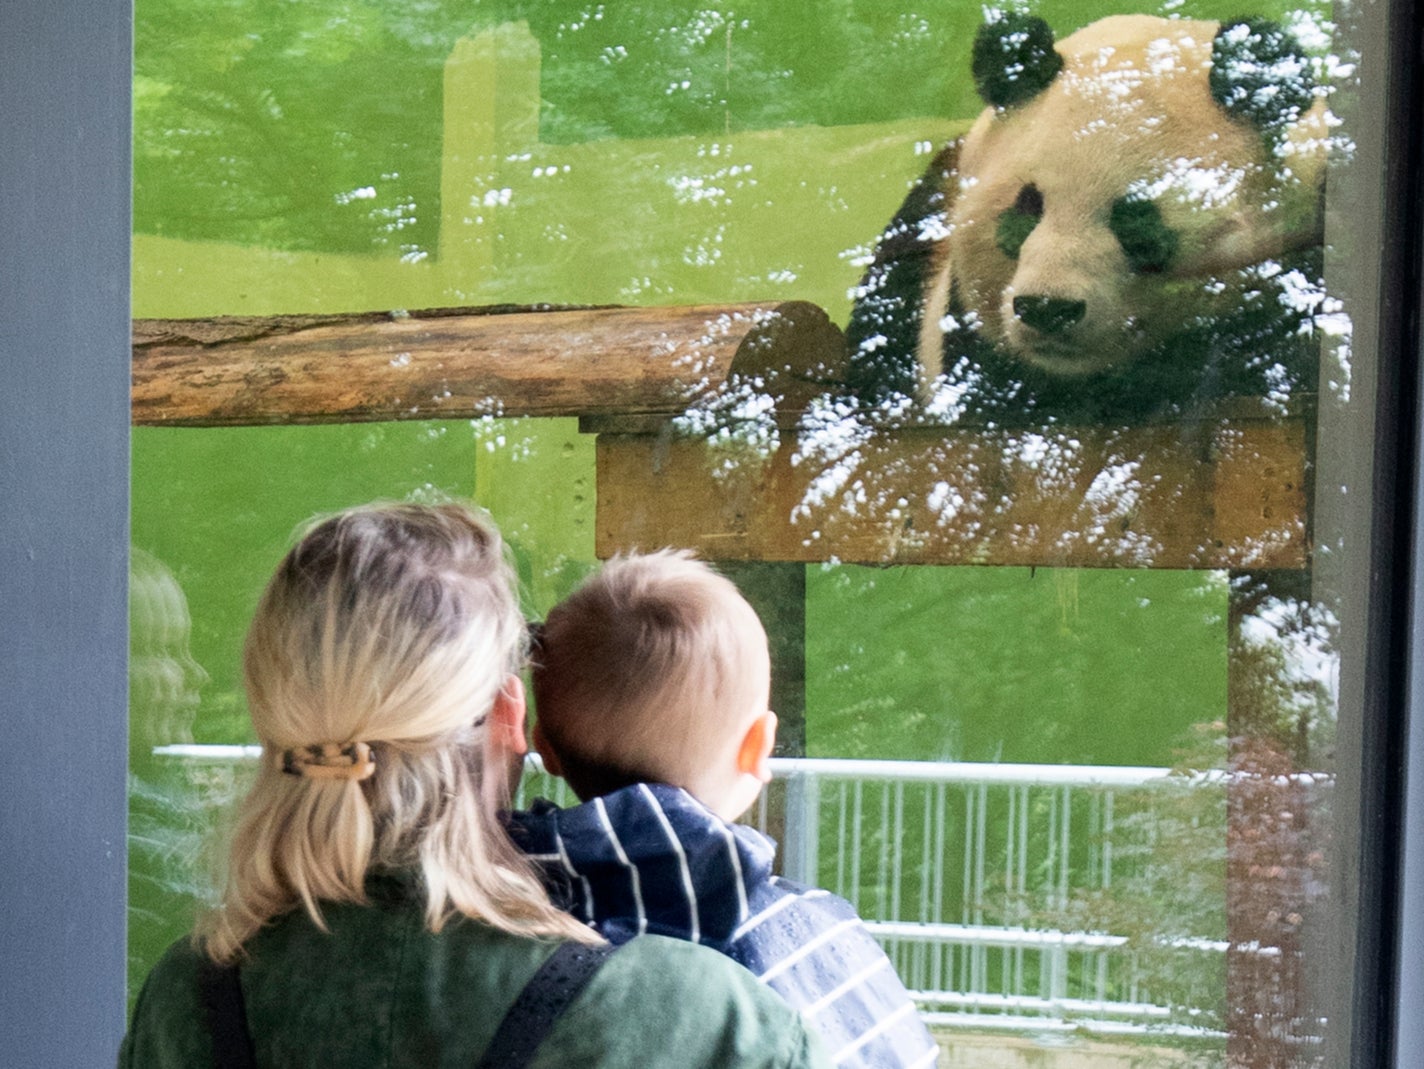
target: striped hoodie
<point>651,858</point>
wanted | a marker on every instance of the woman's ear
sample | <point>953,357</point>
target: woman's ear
<point>507,716</point>
<point>754,754</point>
<point>546,752</point>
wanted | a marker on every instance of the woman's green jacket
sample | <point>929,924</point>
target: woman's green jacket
<point>380,991</point>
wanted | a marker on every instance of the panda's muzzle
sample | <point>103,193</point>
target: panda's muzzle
<point>1049,315</point>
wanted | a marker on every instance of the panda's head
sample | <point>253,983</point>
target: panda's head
<point>1120,180</point>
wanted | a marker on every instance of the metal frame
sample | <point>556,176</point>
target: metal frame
<point>1386,1027</point>
<point>1399,837</point>
<point>65,77</point>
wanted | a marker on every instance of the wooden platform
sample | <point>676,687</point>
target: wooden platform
<point>1211,494</point>
<point>704,440</point>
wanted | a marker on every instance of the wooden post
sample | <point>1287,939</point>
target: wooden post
<point>777,592</point>
<point>1274,856</point>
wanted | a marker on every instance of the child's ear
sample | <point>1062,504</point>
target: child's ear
<point>753,756</point>
<point>551,759</point>
<point>507,716</point>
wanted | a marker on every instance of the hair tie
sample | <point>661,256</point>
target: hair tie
<point>331,760</point>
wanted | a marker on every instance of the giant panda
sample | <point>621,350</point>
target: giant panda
<point>1131,226</point>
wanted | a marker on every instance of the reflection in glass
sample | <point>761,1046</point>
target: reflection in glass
<point>166,799</point>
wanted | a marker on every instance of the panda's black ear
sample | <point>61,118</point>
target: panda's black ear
<point>1014,59</point>
<point>1260,74</point>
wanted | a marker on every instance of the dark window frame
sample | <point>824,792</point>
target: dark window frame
<point>1388,985</point>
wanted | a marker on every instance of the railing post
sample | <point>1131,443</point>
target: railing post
<point>802,849</point>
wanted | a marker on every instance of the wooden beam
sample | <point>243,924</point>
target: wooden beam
<point>465,363</point>
<point>664,389</point>
<point>1207,493</point>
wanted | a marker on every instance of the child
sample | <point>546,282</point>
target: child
<point>651,684</point>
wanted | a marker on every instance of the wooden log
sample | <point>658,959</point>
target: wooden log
<point>466,363</point>
<point>1211,493</point>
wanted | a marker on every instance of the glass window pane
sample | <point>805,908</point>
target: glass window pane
<point>1014,362</point>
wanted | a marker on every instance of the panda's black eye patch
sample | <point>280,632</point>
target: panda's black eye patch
<point>1029,201</point>
<point>1147,242</point>
<point>1017,223</point>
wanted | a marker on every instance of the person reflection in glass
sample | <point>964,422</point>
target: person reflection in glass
<point>166,827</point>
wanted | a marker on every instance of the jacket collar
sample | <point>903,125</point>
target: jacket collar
<point>647,858</point>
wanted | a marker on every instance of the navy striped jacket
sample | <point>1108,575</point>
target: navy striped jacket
<point>651,858</point>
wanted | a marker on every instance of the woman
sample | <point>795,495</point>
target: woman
<point>375,912</point>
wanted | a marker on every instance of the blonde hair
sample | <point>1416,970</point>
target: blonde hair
<point>394,625</point>
<point>646,671</point>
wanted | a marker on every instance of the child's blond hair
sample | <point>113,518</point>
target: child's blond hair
<point>649,672</point>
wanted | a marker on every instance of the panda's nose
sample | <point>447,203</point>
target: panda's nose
<point>1049,315</point>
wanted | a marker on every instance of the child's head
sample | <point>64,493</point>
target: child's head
<point>656,670</point>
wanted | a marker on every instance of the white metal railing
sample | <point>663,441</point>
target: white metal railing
<point>996,889</point>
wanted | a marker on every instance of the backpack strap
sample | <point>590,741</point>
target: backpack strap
<point>548,993</point>
<point>220,990</point>
<point>557,983</point>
